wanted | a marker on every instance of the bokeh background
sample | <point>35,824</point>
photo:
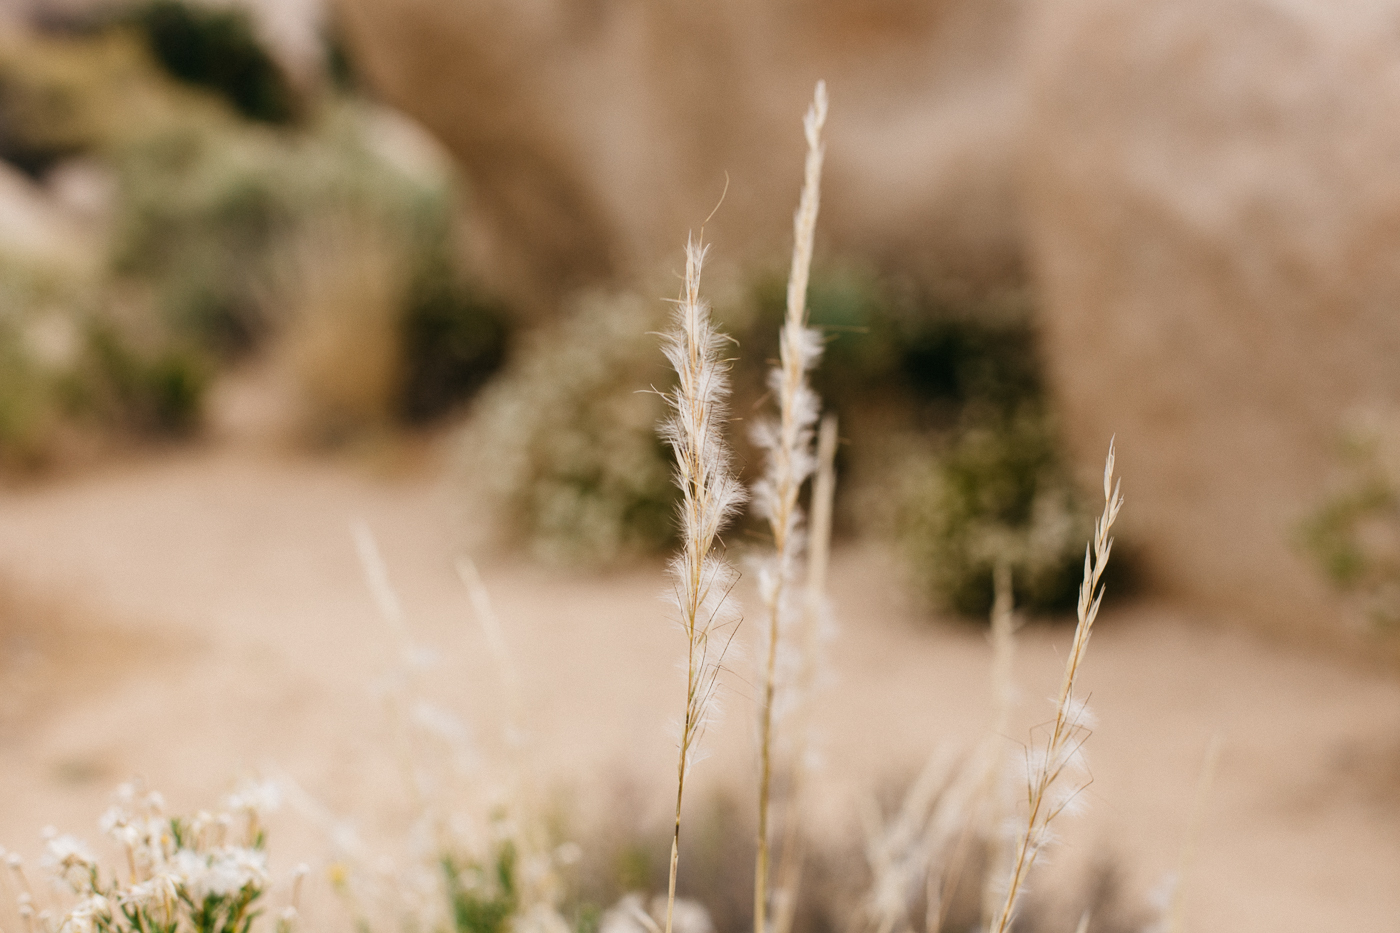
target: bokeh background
<point>271,269</point>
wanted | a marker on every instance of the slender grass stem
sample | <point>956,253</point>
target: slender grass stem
<point>1070,729</point>
<point>710,496</point>
<point>790,461</point>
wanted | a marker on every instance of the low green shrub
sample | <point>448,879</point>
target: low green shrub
<point>216,48</point>
<point>954,449</point>
<point>208,212</point>
<point>454,337</point>
<point>1354,534</point>
<point>143,393</point>
<point>565,440</point>
<point>929,351</point>
<point>483,898</point>
<point>998,493</point>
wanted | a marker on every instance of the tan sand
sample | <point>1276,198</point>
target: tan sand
<point>198,617</point>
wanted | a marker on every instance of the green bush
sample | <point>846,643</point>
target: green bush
<point>565,440</point>
<point>454,339</point>
<point>929,352</point>
<point>997,494</point>
<point>206,206</point>
<point>941,395</point>
<point>1354,534</point>
<point>26,405</point>
<point>146,394</point>
<point>216,48</point>
<point>483,898</point>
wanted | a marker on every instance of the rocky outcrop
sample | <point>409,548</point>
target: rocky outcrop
<point>595,134</point>
<point>1208,192</point>
<point>1212,194</point>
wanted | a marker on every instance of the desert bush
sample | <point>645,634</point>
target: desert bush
<point>454,336</point>
<point>998,493</point>
<point>69,364</point>
<point>942,399</point>
<point>927,351</point>
<point>251,238</point>
<point>565,440</point>
<point>208,212</point>
<point>1354,533</point>
<point>27,403</point>
<point>216,48</point>
<point>145,393</point>
<point>40,299</point>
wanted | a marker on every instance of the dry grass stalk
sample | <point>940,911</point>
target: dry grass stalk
<point>710,497</point>
<point>494,633</point>
<point>1003,636</point>
<point>790,460</point>
<point>815,625</point>
<point>1063,749</point>
<point>468,810</point>
<point>925,849</point>
<point>907,849</point>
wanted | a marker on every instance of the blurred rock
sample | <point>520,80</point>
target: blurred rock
<point>596,134</point>
<point>1206,193</point>
<point>1212,192</point>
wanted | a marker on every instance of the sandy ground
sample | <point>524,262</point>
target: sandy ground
<point>202,616</point>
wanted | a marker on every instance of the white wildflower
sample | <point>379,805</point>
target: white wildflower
<point>256,797</point>
<point>65,853</point>
<point>539,918</point>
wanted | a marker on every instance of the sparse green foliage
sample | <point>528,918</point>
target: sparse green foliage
<point>148,394</point>
<point>216,48</point>
<point>200,210</point>
<point>928,352</point>
<point>454,338</point>
<point>201,874</point>
<point>1354,535</point>
<point>484,898</point>
<point>565,440</point>
<point>943,402</point>
<point>998,493</point>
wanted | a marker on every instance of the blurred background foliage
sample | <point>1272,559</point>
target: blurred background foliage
<point>190,210</point>
<point>951,446</point>
<point>186,207</point>
<point>1353,532</point>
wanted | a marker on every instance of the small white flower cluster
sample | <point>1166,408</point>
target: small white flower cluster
<point>180,875</point>
<point>629,916</point>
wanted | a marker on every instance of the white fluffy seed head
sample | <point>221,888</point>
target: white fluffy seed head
<point>703,580</point>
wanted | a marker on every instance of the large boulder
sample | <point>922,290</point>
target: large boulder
<point>1212,194</point>
<point>594,135</point>
<point>1208,192</point>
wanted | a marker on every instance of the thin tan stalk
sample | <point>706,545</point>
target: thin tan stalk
<point>792,853</point>
<point>1003,636</point>
<point>823,503</point>
<point>494,633</point>
<point>1071,727</point>
<point>710,497</point>
<point>789,462</point>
